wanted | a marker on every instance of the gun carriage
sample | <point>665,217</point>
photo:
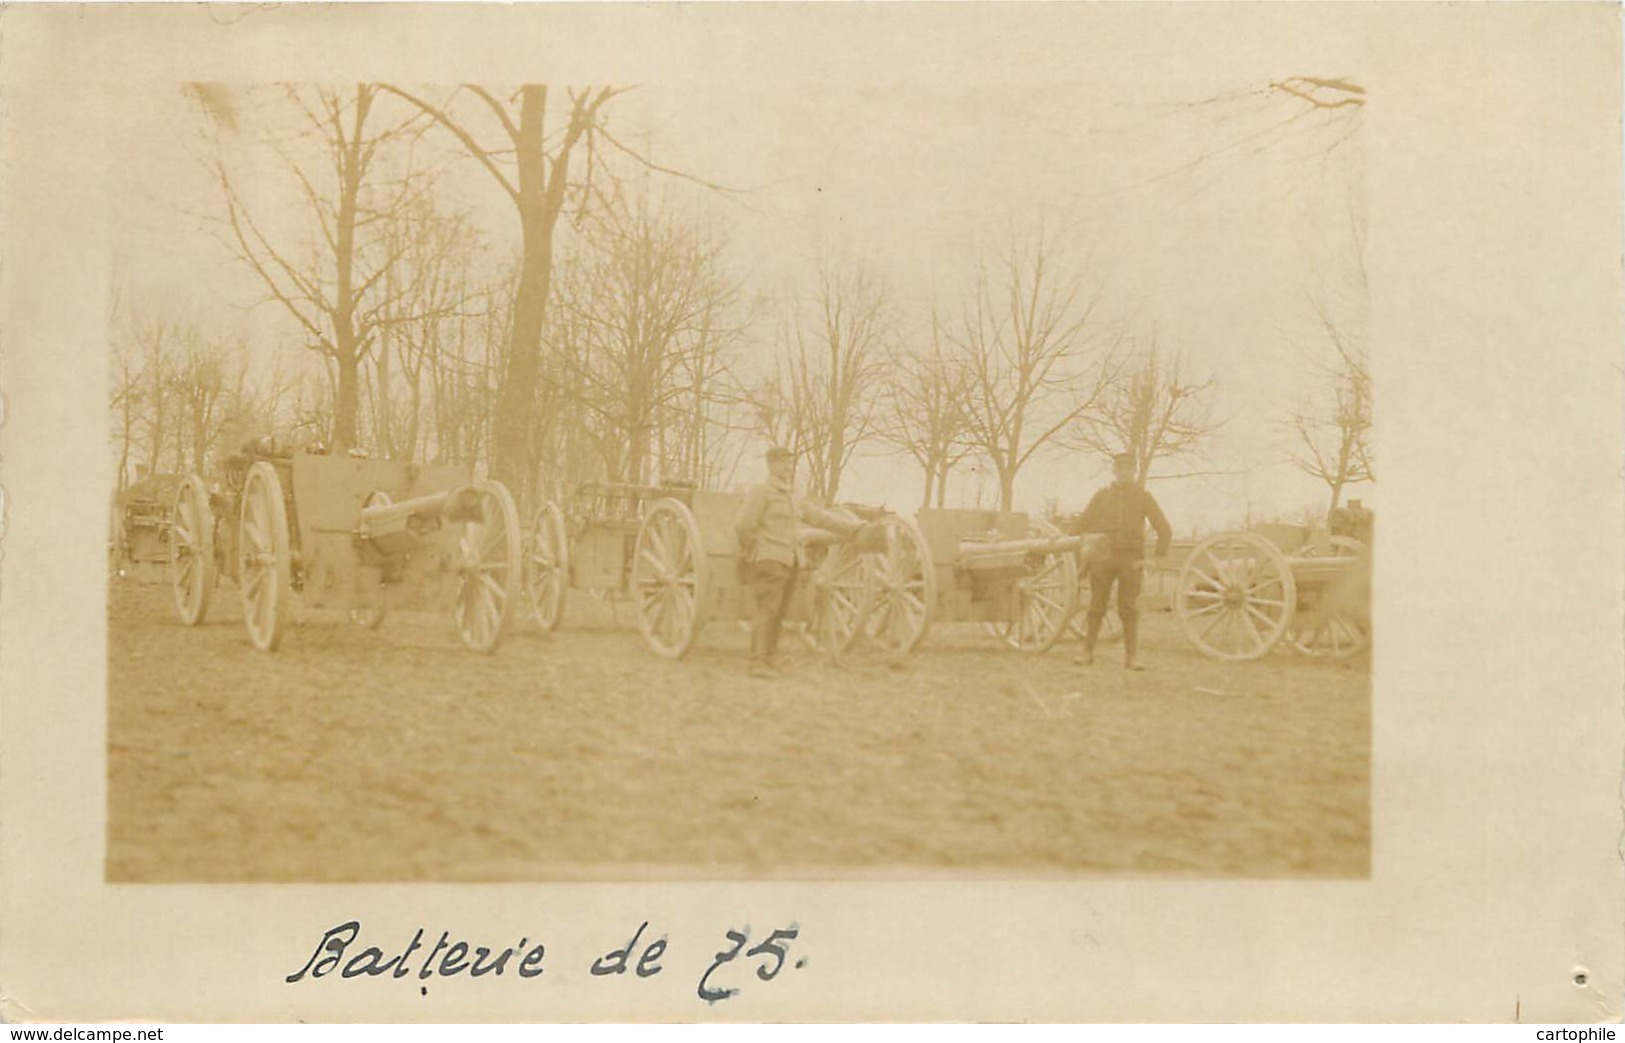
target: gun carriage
<point>1016,575</point>
<point>349,533</point>
<point>671,550</point>
<point>1239,596</point>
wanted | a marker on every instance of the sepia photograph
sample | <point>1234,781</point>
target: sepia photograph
<point>800,517</point>
<point>871,453</point>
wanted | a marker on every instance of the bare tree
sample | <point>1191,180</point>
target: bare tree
<point>1334,435</point>
<point>1033,356</point>
<point>1151,409</point>
<point>642,317</point>
<point>428,286</point>
<point>532,168</point>
<point>532,165</point>
<point>209,389</point>
<point>154,338</point>
<point>835,369</point>
<point>1332,432</point>
<point>328,275</point>
<point>926,412</point>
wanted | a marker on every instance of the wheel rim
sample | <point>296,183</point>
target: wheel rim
<point>903,581</point>
<point>842,597</point>
<point>489,563</point>
<point>669,572</point>
<point>1236,596</point>
<point>547,566</point>
<point>191,551</point>
<point>1337,636</point>
<point>1046,598</point>
<point>262,556</point>
<point>1334,633</point>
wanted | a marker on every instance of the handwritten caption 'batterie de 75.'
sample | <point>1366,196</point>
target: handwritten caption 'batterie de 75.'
<point>727,969</point>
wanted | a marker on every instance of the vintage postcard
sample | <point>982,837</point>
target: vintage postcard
<point>1021,512</point>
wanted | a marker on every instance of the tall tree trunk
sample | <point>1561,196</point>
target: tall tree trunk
<point>537,214</point>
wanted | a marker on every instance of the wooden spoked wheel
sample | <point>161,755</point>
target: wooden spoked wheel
<point>262,556</point>
<point>547,566</point>
<point>490,561</point>
<point>1339,627</point>
<point>1236,596</point>
<point>842,596</point>
<point>669,578</point>
<point>1045,598</point>
<point>1336,635</point>
<point>903,585</point>
<point>191,551</point>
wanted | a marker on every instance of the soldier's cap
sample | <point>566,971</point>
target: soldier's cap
<point>1123,458</point>
<point>779,452</point>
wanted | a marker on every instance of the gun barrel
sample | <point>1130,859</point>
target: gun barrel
<point>969,550</point>
<point>385,519</point>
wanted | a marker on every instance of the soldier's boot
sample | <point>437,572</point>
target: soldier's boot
<point>1131,643</point>
<point>1087,656</point>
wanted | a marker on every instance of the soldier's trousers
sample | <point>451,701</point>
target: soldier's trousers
<point>771,585</point>
<point>1123,569</point>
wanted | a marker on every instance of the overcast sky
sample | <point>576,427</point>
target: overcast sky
<point>1207,224</point>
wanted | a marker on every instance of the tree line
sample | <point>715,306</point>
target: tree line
<point>621,342</point>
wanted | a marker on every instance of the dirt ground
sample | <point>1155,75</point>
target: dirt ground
<point>396,754</point>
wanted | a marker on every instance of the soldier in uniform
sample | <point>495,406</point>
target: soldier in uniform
<point>1120,510</point>
<point>771,553</point>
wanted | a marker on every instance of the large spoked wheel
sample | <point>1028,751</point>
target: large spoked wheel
<point>1236,596</point>
<point>262,556</point>
<point>490,560</point>
<point>191,551</point>
<point>1046,598</point>
<point>903,583</point>
<point>547,566</point>
<point>842,596</point>
<point>669,579</point>
<point>1341,626</point>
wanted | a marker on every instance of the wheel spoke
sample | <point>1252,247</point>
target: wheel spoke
<point>1268,622</point>
<point>1258,635</point>
<point>1044,599</point>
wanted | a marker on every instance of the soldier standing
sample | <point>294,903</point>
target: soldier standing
<point>771,552</point>
<point>1120,510</point>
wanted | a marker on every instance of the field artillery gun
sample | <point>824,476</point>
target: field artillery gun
<point>1239,596</point>
<point>1018,576</point>
<point>350,533</point>
<point>671,550</point>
